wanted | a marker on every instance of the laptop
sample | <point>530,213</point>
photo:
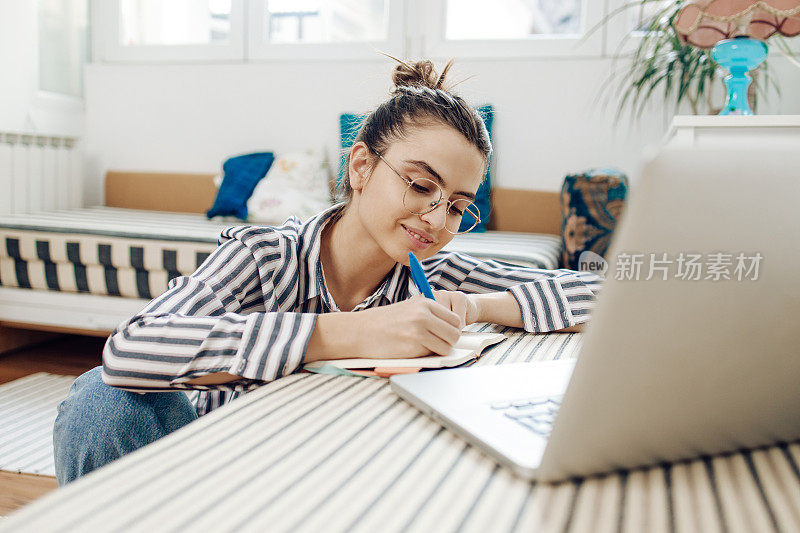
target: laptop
<point>670,367</point>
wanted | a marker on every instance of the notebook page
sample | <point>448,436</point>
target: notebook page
<point>468,347</point>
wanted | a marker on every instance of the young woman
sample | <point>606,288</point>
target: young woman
<point>337,286</point>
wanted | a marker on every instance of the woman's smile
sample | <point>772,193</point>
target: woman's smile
<point>417,239</point>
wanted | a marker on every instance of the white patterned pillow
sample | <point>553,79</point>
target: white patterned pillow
<point>296,184</point>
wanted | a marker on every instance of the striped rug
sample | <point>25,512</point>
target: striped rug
<point>27,412</point>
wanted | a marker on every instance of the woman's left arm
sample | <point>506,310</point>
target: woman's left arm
<point>534,299</point>
<point>502,308</point>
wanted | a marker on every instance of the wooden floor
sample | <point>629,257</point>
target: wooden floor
<point>69,355</point>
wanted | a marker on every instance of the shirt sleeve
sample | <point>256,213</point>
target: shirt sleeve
<point>549,300</point>
<point>222,318</point>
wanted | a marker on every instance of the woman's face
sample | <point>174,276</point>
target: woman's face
<point>436,152</point>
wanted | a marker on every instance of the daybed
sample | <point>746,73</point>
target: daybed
<point>87,270</point>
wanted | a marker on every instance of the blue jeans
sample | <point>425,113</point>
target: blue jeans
<point>97,423</point>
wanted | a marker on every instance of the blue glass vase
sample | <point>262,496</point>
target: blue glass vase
<point>739,55</point>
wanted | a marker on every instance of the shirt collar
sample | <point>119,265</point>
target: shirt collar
<point>310,245</point>
<point>394,288</point>
<point>391,289</point>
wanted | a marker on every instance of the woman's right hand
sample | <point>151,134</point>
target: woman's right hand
<point>412,328</point>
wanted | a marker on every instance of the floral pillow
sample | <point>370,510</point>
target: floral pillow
<point>591,206</point>
<point>298,183</point>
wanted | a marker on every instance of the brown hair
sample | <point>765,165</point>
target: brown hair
<point>419,97</point>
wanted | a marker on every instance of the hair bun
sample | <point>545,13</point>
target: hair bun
<point>419,74</point>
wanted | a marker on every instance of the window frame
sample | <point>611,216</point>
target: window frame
<point>621,39</point>
<point>107,14</point>
<point>416,29</point>
<point>434,44</point>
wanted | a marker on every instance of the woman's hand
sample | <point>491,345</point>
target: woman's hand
<point>412,328</point>
<point>463,304</point>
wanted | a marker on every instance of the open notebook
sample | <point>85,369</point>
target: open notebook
<point>468,347</point>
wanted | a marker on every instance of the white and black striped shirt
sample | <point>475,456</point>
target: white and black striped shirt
<point>250,308</point>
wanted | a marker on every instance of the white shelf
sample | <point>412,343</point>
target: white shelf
<point>735,121</point>
<point>750,131</point>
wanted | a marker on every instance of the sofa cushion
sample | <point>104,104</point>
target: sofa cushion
<point>296,184</point>
<point>591,205</point>
<point>483,196</point>
<point>241,174</point>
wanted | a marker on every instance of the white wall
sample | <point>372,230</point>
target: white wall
<point>192,117</point>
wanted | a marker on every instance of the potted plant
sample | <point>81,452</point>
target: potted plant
<point>664,66</point>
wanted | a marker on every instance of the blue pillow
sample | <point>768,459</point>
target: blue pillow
<point>241,174</point>
<point>484,191</point>
<point>349,123</point>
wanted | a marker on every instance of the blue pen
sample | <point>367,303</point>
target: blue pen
<point>418,275</point>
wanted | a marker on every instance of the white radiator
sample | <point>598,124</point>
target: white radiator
<point>39,173</point>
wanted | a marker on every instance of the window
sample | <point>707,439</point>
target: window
<point>330,21</point>
<point>512,28</point>
<point>511,19</point>
<point>174,30</point>
<point>629,21</point>
<point>330,29</point>
<point>63,46</point>
<point>641,16</point>
<point>245,30</point>
<point>155,22</point>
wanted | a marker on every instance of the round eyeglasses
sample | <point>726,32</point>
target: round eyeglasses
<point>423,196</point>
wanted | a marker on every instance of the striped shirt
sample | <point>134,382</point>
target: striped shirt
<point>251,307</point>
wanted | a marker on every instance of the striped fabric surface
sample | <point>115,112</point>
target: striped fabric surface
<point>134,254</point>
<point>527,249</point>
<point>335,453</point>
<point>118,222</point>
<point>27,412</point>
<point>104,251</point>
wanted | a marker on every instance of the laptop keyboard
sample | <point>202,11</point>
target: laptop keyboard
<point>535,414</point>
